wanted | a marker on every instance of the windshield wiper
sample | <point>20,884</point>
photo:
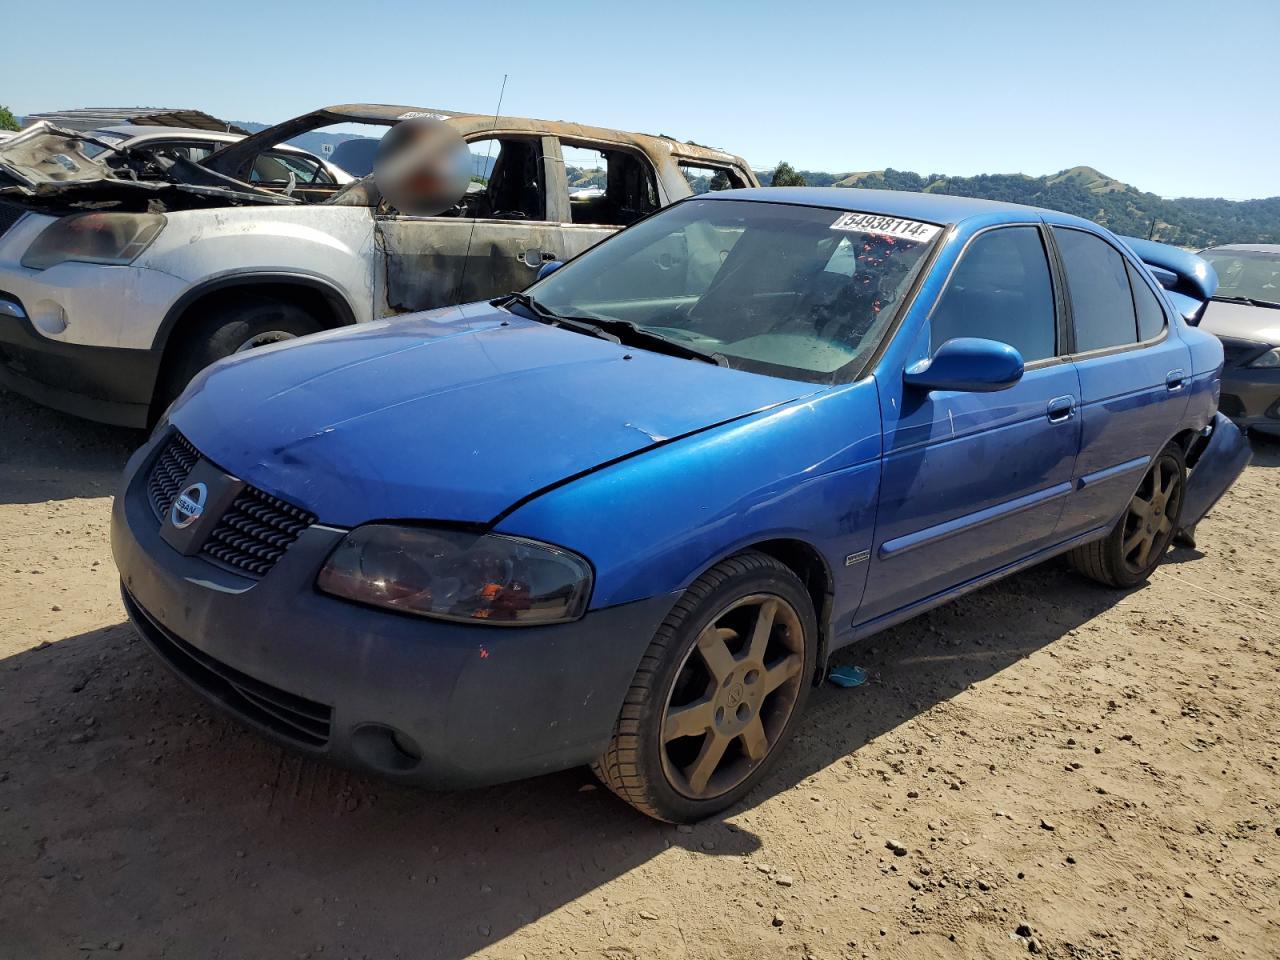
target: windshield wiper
<point>546,315</point>
<point>616,331</point>
<point>1251,301</point>
<point>636,335</point>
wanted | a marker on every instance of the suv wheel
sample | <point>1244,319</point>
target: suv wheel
<point>224,328</point>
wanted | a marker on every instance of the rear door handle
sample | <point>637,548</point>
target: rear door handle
<point>1174,380</point>
<point>1061,409</point>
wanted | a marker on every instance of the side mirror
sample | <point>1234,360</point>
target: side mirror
<point>971,364</point>
<point>548,268</point>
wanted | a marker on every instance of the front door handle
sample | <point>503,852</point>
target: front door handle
<point>1061,409</point>
<point>1174,380</point>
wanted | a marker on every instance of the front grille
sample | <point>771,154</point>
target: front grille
<point>293,717</point>
<point>168,472</point>
<point>255,532</point>
<point>10,213</point>
<point>1237,353</point>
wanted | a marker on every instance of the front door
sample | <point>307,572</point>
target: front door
<point>972,482</point>
<point>504,229</point>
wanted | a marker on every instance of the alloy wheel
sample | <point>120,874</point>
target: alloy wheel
<point>1152,512</point>
<point>732,696</point>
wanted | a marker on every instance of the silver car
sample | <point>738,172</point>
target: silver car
<point>1245,316</point>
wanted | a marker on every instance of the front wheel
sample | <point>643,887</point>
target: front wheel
<point>1135,547</point>
<point>717,693</point>
<point>224,328</point>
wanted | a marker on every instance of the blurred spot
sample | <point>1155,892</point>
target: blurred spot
<point>422,167</point>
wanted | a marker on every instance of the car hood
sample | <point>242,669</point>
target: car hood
<point>1239,320</point>
<point>45,161</point>
<point>454,415</point>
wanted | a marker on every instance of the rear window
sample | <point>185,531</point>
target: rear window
<point>1098,282</point>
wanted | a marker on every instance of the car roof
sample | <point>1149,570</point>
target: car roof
<point>138,130</point>
<point>1246,248</point>
<point>929,207</point>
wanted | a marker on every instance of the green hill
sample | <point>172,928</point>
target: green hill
<point>1086,192</point>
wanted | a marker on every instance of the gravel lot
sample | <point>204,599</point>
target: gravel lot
<point>1043,766</point>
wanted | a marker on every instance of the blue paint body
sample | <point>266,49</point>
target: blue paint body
<point>655,468</point>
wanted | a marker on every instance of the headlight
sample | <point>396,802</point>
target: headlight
<point>1267,361</point>
<point>457,575</point>
<point>115,238</point>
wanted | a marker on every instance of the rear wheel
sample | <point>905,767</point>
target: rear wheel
<point>717,693</point>
<point>224,328</point>
<point>1140,539</point>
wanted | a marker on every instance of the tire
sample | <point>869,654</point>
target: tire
<point>1117,560</point>
<point>733,709</point>
<point>224,328</point>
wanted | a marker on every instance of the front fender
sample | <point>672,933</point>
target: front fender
<point>650,524</point>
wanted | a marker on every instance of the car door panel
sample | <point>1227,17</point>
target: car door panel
<point>437,261</point>
<point>970,483</point>
<point>1127,412</point>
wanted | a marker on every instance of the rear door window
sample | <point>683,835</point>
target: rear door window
<point>1001,290</point>
<point>608,187</point>
<point>1151,319</point>
<point>705,178</point>
<point>1098,283</point>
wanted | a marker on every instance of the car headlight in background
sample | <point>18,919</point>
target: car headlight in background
<point>113,238</point>
<point>1268,361</point>
<point>458,575</point>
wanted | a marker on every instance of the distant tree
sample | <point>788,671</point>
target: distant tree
<point>785,176</point>
<point>7,120</point>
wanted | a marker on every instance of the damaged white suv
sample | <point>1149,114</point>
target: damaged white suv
<point>124,272</point>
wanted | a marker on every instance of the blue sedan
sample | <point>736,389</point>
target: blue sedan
<point>626,517</point>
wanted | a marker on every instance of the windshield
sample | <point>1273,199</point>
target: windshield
<point>91,150</point>
<point>1254,274</point>
<point>796,291</point>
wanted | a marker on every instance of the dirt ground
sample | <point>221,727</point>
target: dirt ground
<point>1065,769</point>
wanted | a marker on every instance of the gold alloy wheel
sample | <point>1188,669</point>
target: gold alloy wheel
<point>732,696</point>
<point>1152,512</point>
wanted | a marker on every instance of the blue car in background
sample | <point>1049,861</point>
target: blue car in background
<point>625,517</point>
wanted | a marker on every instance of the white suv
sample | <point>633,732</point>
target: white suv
<point>124,272</point>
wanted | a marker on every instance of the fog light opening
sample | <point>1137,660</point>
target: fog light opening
<point>385,748</point>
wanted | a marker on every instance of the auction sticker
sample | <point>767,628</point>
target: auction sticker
<point>887,226</point>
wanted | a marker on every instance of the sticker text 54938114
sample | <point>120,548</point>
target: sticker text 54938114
<point>886,226</point>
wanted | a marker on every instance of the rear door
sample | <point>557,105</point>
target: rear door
<point>1134,375</point>
<point>972,482</point>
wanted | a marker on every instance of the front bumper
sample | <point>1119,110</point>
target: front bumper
<point>107,384</point>
<point>420,701</point>
<point>1251,398</point>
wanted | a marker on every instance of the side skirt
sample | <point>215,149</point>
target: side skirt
<point>860,631</point>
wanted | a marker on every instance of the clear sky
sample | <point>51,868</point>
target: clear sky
<point>1179,98</point>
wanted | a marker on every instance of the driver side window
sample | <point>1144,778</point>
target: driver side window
<point>507,180</point>
<point>1000,290</point>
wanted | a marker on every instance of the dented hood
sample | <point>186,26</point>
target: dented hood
<point>45,161</point>
<point>450,415</point>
